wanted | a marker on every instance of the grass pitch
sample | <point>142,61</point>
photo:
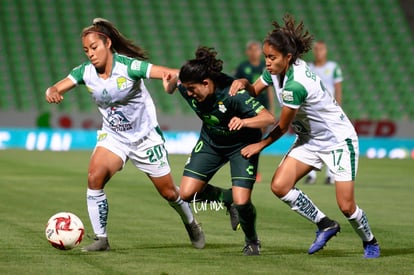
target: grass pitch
<point>147,237</point>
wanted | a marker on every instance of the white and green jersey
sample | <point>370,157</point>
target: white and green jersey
<point>123,100</point>
<point>320,122</point>
<point>330,74</point>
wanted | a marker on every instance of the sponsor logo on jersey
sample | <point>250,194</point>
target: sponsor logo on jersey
<point>117,121</point>
<point>121,82</point>
<point>222,108</point>
<point>287,96</point>
<point>136,65</point>
<point>211,120</point>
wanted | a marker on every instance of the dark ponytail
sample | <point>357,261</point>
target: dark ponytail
<point>290,38</point>
<point>120,44</point>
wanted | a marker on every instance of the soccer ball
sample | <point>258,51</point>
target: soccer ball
<point>64,230</point>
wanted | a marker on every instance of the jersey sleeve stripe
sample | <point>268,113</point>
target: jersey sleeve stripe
<point>73,79</point>
<point>148,74</point>
<point>258,110</point>
<point>264,81</point>
<point>291,105</point>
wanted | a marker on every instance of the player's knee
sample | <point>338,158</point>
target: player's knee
<point>278,188</point>
<point>169,193</point>
<point>185,195</point>
<point>96,180</point>
<point>347,208</point>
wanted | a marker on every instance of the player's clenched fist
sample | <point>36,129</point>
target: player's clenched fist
<point>53,96</point>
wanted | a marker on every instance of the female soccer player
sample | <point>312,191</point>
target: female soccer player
<point>229,124</point>
<point>331,76</point>
<point>114,77</point>
<point>325,134</point>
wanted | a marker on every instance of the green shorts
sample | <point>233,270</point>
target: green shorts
<point>205,160</point>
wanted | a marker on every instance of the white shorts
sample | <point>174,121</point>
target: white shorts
<point>341,159</point>
<point>148,154</point>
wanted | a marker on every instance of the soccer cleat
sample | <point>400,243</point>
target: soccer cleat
<point>323,236</point>
<point>329,180</point>
<point>252,248</point>
<point>371,251</point>
<point>196,234</point>
<point>99,244</point>
<point>234,216</point>
<point>310,180</point>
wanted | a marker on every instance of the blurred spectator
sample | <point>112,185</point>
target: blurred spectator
<point>252,69</point>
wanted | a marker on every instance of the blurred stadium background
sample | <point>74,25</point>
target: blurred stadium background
<point>40,43</point>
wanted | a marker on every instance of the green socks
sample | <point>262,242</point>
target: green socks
<point>214,193</point>
<point>247,218</point>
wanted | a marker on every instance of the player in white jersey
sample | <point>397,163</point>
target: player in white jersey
<point>114,78</point>
<point>324,135</point>
<point>331,75</point>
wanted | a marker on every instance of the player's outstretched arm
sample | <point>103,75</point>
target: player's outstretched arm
<point>157,72</point>
<point>286,117</point>
<point>243,84</point>
<point>263,119</point>
<point>54,94</point>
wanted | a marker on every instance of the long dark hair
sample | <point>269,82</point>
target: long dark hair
<point>204,65</point>
<point>290,38</point>
<point>120,44</point>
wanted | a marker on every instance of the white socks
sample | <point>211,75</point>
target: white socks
<point>183,209</point>
<point>312,174</point>
<point>300,203</point>
<point>359,222</point>
<point>98,211</point>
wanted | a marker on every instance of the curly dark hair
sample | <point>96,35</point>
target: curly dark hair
<point>290,38</point>
<point>204,65</point>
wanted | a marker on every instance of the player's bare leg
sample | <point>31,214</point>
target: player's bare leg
<point>103,165</point>
<point>286,176</point>
<point>357,217</point>
<point>169,191</point>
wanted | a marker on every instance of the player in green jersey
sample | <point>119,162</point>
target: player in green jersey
<point>229,124</point>
<point>252,69</point>
<point>324,135</point>
<point>114,77</point>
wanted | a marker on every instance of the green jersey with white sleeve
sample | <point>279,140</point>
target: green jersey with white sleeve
<point>330,73</point>
<point>123,100</point>
<point>320,122</point>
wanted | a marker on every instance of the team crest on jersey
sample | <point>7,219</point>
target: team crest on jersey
<point>121,82</point>
<point>136,65</point>
<point>287,96</point>
<point>222,108</point>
